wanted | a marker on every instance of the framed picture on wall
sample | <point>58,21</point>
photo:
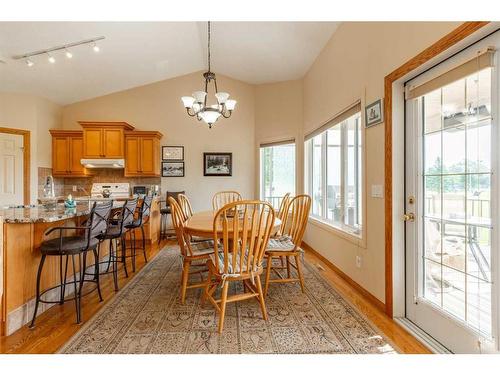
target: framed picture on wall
<point>169,153</point>
<point>217,164</point>
<point>374,113</point>
<point>172,169</point>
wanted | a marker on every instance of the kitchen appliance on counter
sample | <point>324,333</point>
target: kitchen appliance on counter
<point>113,190</point>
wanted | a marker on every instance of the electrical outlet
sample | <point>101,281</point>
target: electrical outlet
<point>358,261</point>
<point>75,188</point>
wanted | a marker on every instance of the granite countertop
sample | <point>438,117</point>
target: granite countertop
<point>39,214</point>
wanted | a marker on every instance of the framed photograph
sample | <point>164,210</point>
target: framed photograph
<point>172,169</point>
<point>374,113</point>
<point>217,164</point>
<point>172,152</point>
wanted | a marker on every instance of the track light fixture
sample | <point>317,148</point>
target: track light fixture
<point>28,57</point>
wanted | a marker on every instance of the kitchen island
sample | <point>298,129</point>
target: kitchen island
<point>22,232</point>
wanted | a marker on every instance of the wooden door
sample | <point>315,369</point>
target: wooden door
<point>93,143</point>
<point>113,143</point>
<point>132,156</point>
<point>11,169</point>
<point>60,156</point>
<point>148,156</point>
<point>76,154</point>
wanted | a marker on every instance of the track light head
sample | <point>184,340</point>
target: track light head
<point>51,58</point>
<point>29,62</point>
<point>96,48</point>
<point>68,53</point>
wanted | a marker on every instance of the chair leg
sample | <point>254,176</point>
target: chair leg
<point>299,271</point>
<point>77,307</point>
<point>64,281</point>
<point>133,249</point>
<point>207,288</point>
<point>96,273</point>
<point>288,268</point>
<point>185,277</point>
<point>223,306</point>
<point>109,254</point>
<point>261,298</point>
<point>268,273</point>
<point>144,243</point>
<point>123,246</point>
<point>114,256</point>
<point>38,277</point>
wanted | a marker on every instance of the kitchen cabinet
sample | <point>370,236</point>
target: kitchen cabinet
<point>104,140</point>
<point>142,153</point>
<point>67,151</point>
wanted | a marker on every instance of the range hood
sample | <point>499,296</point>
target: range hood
<point>103,163</point>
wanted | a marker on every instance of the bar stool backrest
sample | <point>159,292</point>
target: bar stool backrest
<point>99,218</point>
<point>243,228</point>
<point>145,209</point>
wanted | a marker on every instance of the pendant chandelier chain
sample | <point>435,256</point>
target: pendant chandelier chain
<point>209,46</point>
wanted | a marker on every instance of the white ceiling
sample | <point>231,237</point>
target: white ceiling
<point>138,53</point>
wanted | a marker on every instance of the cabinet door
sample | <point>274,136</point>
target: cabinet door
<point>132,156</point>
<point>148,156</point>
<point>60,156</point>
<point>113,143</point>
<point>93,143</point>
<point>76,154</point>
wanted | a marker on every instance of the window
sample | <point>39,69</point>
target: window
<point>334,171</point>
<point>277,171</point>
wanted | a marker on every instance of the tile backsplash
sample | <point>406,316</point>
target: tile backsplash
<point>64,186</point>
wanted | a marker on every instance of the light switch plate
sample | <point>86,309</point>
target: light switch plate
<point>377,191</point>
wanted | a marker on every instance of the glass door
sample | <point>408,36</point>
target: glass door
<point>451,236</point>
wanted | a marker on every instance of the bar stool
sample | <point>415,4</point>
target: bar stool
<point>165,211</point>
<point>144,213</point>
<point>117,231</point>
<point>79,245</point>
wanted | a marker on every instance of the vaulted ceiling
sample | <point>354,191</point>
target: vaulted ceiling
<point>138,53</point>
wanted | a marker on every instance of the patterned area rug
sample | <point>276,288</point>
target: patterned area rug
<point>147,317</point>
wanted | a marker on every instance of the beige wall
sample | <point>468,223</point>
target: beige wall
<point>352,66</point>
<point>28,112</point>
<point>158,106</point>
<point>278,116</point>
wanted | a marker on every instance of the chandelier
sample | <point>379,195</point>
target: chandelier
<point>196,105</point>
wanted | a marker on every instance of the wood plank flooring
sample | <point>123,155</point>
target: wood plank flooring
<point>57,325</point>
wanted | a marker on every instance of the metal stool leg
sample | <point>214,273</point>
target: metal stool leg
<point>123,246</point>
<point>96,272</point>
<point>132,238</point>
<point>114,256</point>
<point>38,277</point>
<point>77,306</point>
<point>144,243</point>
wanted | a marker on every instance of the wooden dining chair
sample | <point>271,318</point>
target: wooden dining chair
<point>185,205</point>
<point>193,254</point>
<point>222,198</point>
<point>283,213</point>
<point>243,229</point>
<point>288,244</point>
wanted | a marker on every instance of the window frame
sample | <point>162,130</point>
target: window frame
<point>322,218</point>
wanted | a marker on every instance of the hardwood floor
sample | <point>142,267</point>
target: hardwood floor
<point>55,326</point>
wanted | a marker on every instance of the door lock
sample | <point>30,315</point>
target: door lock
<point>409,217</point>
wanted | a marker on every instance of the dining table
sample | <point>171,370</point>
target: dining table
<point>201,224</point>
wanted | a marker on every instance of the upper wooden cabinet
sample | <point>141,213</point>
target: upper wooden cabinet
<point>67,151</point>
<point>142,153</point>
<point>104,140</point>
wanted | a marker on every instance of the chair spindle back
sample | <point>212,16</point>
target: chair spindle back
<point>222,198</point>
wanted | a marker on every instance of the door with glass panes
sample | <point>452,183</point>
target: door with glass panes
<point>451,201</point>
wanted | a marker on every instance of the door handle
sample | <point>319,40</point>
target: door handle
<point>409,217</point>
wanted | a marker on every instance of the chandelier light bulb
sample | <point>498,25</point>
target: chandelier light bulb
<point>51,58</point>
<point>68,53</point>
<point>230,104</point>
<point>222,97</point>
<point>29,62</point>
<point>188,101</point>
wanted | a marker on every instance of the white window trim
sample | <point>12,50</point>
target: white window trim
<point>347,232</point>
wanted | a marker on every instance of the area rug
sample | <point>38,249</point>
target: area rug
<point>146,316</point>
